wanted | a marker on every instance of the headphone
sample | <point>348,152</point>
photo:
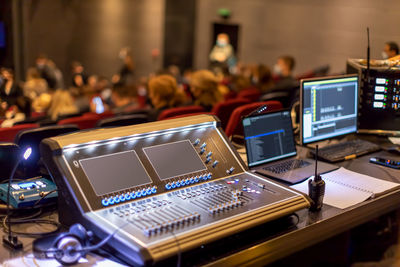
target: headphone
<point>67,248</point>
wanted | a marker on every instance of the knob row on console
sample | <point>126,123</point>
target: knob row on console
<point>188,181</point>
<point>130,195</point>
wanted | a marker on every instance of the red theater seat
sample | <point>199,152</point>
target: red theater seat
<point>86,121</point>
<point>224,109</point>
<point>173,112</point>
<point>252,94</point>
<point>8,134</point>
<point>235,127</point>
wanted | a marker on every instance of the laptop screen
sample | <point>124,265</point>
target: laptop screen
<point>328,107</point>
<point>268,137</point>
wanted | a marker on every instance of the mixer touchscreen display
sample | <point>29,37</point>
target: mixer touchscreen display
<point>174,159</point>
<point>115,172</point>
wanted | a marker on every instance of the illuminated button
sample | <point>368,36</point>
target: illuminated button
<point>196,179</point>
<point>104,202</point>
<point>187,181</point>
<point>148,191</point>
<point>111,201</point>
<point>173,185</point>
<point>144,192</point>
<point>168,186</point>
<point>138,193</point>
<point>209,175</point>
<point>127,196</point>
<point>215,163</point>
<point>154,189</point>
<point>178,183</point>
<point>122,197</point>
<point>204,177</point>
<point>15,186</point>
<point>191,180</point>
<point>196,142</point>
<point>133,195</point>
<point>116,199</point>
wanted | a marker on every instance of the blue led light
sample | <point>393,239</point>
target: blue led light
<point>173,185</point>
<point>116,199</point>
<point>133,195</point>
<point>148,191</point>
<point>209,175</point>
<point>178,184</point>
<point>138,193</point>
<point>127,196</point>
<point>196,179</point>
<point>168,186</point>
<point>154,190</point>
<point>122,198</point>
<point>144,192</point>
<point>104,202</point>
<point>27,153</point>
<point>191,180</point>
<point>111,201</point>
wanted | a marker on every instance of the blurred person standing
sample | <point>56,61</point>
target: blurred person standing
<point>222,53</point>
<point>126,73</point>
<point>79,77</point>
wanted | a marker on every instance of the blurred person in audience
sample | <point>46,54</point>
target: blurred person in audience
<point>164,93</point>
<point>124,98</point>
<point>283,70</point>
<point>62,103</point>
<point>240,82</point>
<point>45,71</point>
<point>126,73</point>
<point>42,103</point>
<point>34,85</point>
<point>205,89</point>
<point>262,78</point>
<point>391,49</point>
<point>79,77</point>
<point>9,89</point>
<point>222,53</point>
<point>18,112</point>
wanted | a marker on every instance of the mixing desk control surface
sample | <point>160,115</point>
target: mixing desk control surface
<point>167,187</point>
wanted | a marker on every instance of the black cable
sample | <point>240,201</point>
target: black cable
<point>38,221</point>
<point>44,195</point>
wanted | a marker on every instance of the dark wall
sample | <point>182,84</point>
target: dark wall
<point>179,33</point>
<point>93,32</point>
<point>6,53</point>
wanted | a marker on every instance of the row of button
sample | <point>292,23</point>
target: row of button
<point>158,227</point>
<point>130,195</point>
<point>188,181</point>
<point>236,202</point>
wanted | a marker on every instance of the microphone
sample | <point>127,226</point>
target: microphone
<point>316,187</point>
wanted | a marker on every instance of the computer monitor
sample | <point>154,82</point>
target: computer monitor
<point>268,137</point>
<point>328,107</point>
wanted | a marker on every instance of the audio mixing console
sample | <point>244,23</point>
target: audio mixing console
<point>168,187</point>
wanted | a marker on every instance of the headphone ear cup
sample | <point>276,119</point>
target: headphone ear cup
<point>79,231</point>
<point>69,249</point>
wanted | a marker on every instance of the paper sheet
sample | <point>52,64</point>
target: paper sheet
<point>345,188</point>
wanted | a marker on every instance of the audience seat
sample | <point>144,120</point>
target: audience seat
<point>235,127</point>
<point>223,110</point>
<point>8,134</point>
<point>191,114</point>
<point>104,115</point>
<point>252,94</point>
<point>32,138</point>
<point>86,121</point>
<point>124,120</point>
<point>282,96</point>
<point>230,95</point>
<point>172,112</point>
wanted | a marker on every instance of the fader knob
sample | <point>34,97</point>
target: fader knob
<point>196,142</point>
<point>215,163</point>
